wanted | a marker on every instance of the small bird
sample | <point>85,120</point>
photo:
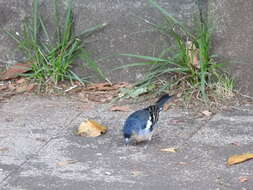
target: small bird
<point>140,124</point>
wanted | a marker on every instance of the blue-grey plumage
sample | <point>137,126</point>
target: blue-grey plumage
<point>140,124</point>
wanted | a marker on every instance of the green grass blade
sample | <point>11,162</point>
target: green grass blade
<point>76,77</point>
<point>148,58</point>
<point>85,56</point>
<point>35,19</point>
<point>69,23</point>
<point>91,30</point>
<point>44,29</point>
<point>57,21</point>
<point>13,36</point>
<point>164,12</point>
<point>134,65</point>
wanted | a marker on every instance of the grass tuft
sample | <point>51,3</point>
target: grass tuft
<point>188,64</point>
<point>53,56</point>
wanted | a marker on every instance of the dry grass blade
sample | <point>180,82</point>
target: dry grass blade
<point>4,149</point>
<point>66,162</point>
<point>172,149</point>
<point>120,108</point>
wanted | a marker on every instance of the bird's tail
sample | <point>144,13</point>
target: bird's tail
<point>163,100</point>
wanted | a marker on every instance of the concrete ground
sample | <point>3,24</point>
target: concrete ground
<point>36,134</point>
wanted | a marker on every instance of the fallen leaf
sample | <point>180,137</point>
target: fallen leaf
<point>120,108</point>
<point>207,113</point>
<point>100,87</point>
<point>135,92</point>
<point>3,87</point>
<point>135,173</point>
<point>91,128</point>
<point>193,53</point>
<point>66,162</point>
<point>166,107</point>
<point>4,149</point>
<point>22,80</point>
<point>179,94</point>
<point>236,143</point>
<point>41,139</point>
<point>168,150</point>
<point>102,98</point>
<point>21,89</point>
<point>108,86</point>
<point>175,121</point>
<point>182,163</point>
<point>236,159</point>
<point>30,87</point>
<point>243,179</point>
<point>15,70</point>
<point>122,85</point>
<point>11,86</point>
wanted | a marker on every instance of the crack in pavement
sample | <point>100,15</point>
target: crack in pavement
<point>14,172</point>
<point>192,134</point>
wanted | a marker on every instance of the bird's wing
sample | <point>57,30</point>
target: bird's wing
<point>143,117</point>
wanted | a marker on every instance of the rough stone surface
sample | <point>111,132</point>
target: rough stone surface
<point>233,38</point>
<point>38,133</point>
<point>126,32</point>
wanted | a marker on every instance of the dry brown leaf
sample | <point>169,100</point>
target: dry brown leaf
<point>22,80</point>
<point>243,179</point>
<point>236,143</point>
<point>193,53</point>
<point>236,159</point>
<point>182,163</point>
<point>91,128</point>
<point>3,87</point>
<point>166,107</point>
<point>100,86</point>
<point>207,113</point>
<point>30,87</point>
<point>11,86</point>
<point>107,86</point>
<point>4,149</point>
<point>195,60</point>
<point>21,89</point>
<point>168,149</point>
<point>102,98</point>
<point>122,85</point>
<point>176,121</point>
<point>179,95</point>
<point>15,70</point>
<point>120,108</point>
<point>66,162</point>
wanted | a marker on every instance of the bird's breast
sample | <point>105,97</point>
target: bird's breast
<point>142,137</point>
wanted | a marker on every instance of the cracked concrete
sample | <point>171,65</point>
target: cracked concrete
<point>37,133</point>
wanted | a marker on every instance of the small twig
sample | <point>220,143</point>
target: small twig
<point>57,87</point>
<point>244,95</point>
<point>71,88</point>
